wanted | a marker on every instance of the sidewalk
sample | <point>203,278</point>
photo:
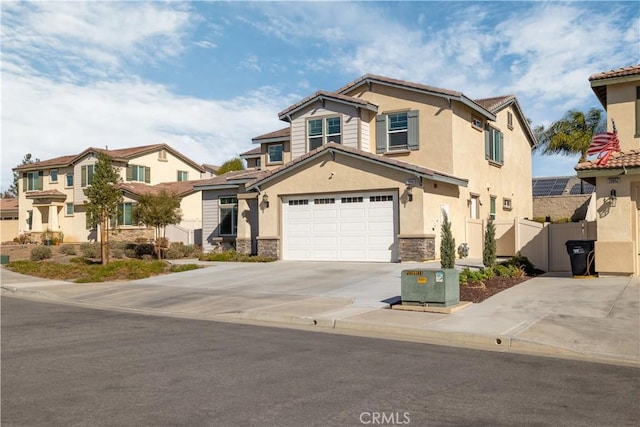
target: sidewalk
<point>594,319</point>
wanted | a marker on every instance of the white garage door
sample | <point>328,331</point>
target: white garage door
<point>351,227</point>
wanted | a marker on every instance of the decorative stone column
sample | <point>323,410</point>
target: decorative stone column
<point>417,247</point>
<point>269,247</point>
<point>246,222</point>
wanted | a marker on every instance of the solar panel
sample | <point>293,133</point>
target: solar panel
<point>586,189</point>
<point>549,186</point>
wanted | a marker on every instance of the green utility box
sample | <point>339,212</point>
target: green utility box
<point>4,259</point>
<point>430,287</point>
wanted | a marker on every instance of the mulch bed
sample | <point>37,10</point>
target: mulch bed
<point>478,292</point>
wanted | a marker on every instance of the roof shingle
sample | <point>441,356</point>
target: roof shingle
<point>617,161</point>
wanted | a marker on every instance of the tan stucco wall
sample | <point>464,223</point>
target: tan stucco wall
<point>617,245</point>
<point>8,230</point>
<point>621,108</point>
<point>162,170</point>
<point>562,207</point>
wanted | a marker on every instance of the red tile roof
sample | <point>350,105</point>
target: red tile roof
<point>252,152</point>
<point>281,133</point>
<point>45,193</point>
<point>403,83</point>
<point>225,178</point>
<point>179,188</point>
<point>617,161</point>
<point>494,103</point>
<point>619,72</point>
<point>9,204</point>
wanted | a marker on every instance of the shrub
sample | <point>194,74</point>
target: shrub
<point>234,256</point>
<point>67,250</point>
<point>173,253</point>
<point>141,240</point>
<point>90,250</point>
<point>183,267</point>
<point>187,251</point>
<point>130,253</point>
<point>117,253</point>
<point>145,249</point>
<point>447,244</point>
<point>40,252</point>
<point>489,250</point>
<point>521,262</point>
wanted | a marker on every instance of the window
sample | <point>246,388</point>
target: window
<point>397,131</point>
<point>388,198</point>
<point>33,181</point>
<point>86,175</point>
<point>69,180</point>
<point>321,131</point>
<point>492,205</point>
<point>274,153</point>
<point>474,206</point>
<point>506,204</point>
<point>228,216</point>
<point>352,200</point>
<point>125,216</point>
<point>258,162</point>
<point>139,173</point>
<point>69,209</point>
<point>183,176</point>
<point>53,175</point>
<point>493,145</point>
<point>477,123</point>
<point>509,120</point>
<point>298,202</point>
<point>324,201</point>
<point>162,155</point>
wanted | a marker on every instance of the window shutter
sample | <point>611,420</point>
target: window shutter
<point>40,180</point>
<point>83,176</point>
<point>500,148</point>
<point>25,183</point>
<point>413,142</point>
<point>147,174</point>
<point>129,173</point>
<point>381,133</point>
<point>487,142</point>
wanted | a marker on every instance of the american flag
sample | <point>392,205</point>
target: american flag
<point>604,144</point>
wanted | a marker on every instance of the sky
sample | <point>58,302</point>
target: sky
<point>206,77</point>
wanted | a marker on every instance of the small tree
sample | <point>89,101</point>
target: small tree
<point>235,164</point>
<point>14,188</point>
<point>447,244</point>
<point>104,200</point>
<point>489,250</point>
<point>158,211</point>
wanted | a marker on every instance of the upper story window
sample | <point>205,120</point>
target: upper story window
<point>274,153</point>
<point>86,175</point>
<point>477,123</point>
<point>139,173</point>
<point>493,145</point>
<point>162,155</point>
<point>397,131</point>
<point>33,181</point>
<point>53,175</point>
<point>492,207</point>
<point>69,182</point>
<point>258,162</point>
<point>321,131</point>
<point>506,204</point>
<point>510,120</point>
<point>228,216</point>
<point>637,110</point>
<point>183,176</point>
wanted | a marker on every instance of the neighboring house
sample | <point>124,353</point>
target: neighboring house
<point>563,198</point>
<point>51,197</point>
<point>8,219</point>
<point>210,170</point>
<point>617,250</point>
<point>364,174</point>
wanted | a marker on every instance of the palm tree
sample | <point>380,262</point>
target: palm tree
<point>572,134</point>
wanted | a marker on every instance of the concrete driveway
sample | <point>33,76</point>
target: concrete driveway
<point>365,284</point>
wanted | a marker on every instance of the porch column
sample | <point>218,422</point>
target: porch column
<point>53,218</point>
<point>245,222</point>
<point>36,219</point>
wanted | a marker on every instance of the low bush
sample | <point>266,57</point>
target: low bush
<point>117,253</point>
<point>90,250</point>
<point>233,256</point>
<point>145,250</point>
<point>521,262</point>
<point>40,252</point>
<point>67,250</point>
<point>173,253</point>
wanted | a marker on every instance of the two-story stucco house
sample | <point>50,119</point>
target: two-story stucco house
<point>51,196</point>
<point>617,250</point>
<point>364,173</point>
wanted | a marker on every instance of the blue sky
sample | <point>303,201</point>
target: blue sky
<point>206,77</point>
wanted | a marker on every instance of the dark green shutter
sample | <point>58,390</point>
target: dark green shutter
<point>147,174</point>
<point>40,180</point>
<point>129,173</point>
<point>487,142</point>
<point>83,176</point>
<point>25,183</point>
<point>381,133</point>
<point>500,158</point>
<point>413,142</point>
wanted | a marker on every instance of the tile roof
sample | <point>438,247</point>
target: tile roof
<point>617,161</point>
<point>179,188</point>
<point>45,193</point>
<point>210,168</point>
<point>56,161</point>
<point>619,72</point>
<point>321,94</point>
<point>409,167</point>
<point>225,178</point>
<point>252,152</point>
<point>8,204</point>
<point>396,82</point>
<point>494,103</point>
<point>281,133</point>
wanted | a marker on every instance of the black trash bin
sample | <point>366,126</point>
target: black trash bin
<point>583,258</point>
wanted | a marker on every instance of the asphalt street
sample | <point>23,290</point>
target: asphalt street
<point>64,365</point>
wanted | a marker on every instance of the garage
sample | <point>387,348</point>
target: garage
<point>340,227</point>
